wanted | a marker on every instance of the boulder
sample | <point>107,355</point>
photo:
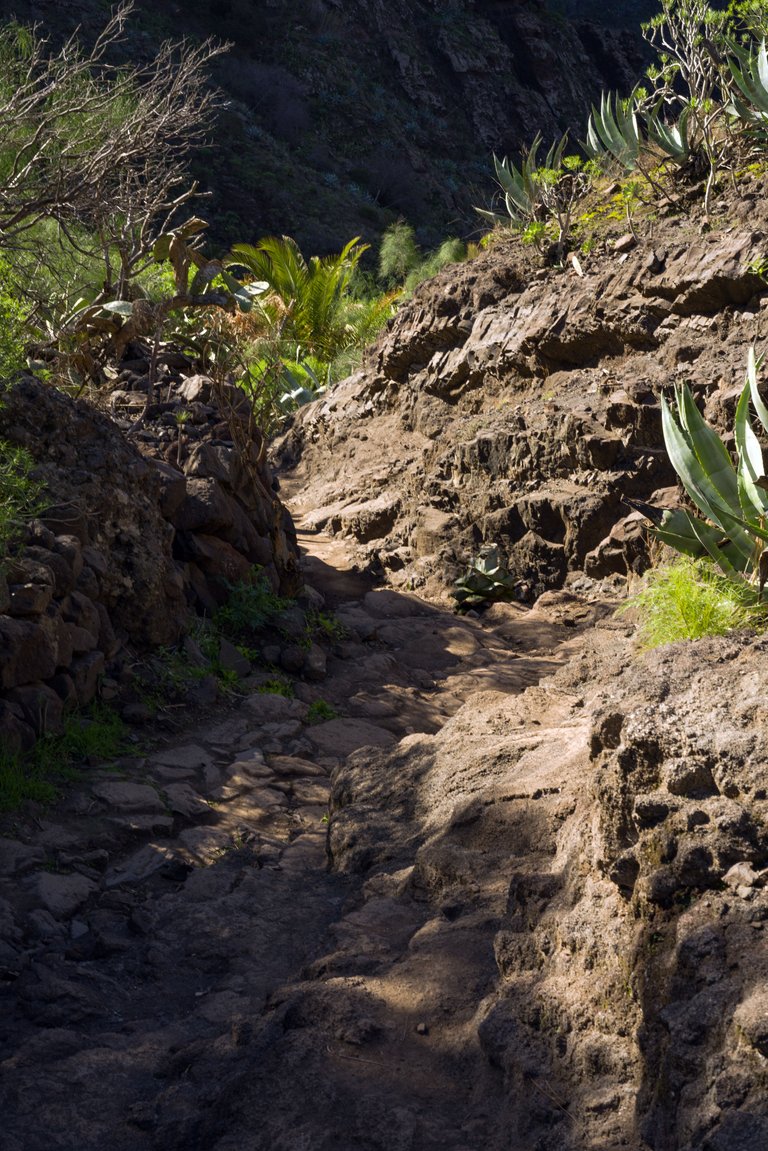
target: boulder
<point>40,705</point>
<point>28,651</point>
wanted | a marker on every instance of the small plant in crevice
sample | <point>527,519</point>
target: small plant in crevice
<point>21,494</point>
<point>250,607</point>
<point>324,625</point>
<point>320,711</point>
<point>276,685</point>
<point>485,581</point>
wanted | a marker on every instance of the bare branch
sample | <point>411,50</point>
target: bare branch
<point>97,146</point>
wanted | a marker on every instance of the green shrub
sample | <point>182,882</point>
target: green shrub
<point>399,253</point>
<point>690,599</point>
<point>13,331</point>
<point>20,493</point>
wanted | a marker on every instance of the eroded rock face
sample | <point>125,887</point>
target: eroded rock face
<point>520,407</point>
<point>683,835</point>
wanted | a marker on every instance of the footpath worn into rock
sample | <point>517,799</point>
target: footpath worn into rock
<point>148,917</point>
<point>512,896</point>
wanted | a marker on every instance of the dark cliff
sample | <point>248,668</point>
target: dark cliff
<point>343,117</point>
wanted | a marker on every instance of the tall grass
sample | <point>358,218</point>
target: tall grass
<point>689,599</point>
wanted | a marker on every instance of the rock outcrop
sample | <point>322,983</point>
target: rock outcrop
<point>519,407</point>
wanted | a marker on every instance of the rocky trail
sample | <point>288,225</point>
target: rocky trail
<point>154,918</point>
<point>512,896</point>
<point>479,884</point>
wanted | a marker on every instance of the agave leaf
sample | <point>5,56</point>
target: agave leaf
<point>671,138</point>
<point>752,365</point>
<point>243,297</point>
<point>751,74</point>
<point>593,145</point>
<point>530,160</point>
<point>762,66</point>
<point>692,536</point>
<point>555,154</point>
<point>492,217</point>
<point>521,198</point>
<point>606,126</point>
<point>710,450</point>
<point>614,129</point>
<point>676,530</point>
<point>711,542</point>
<point>512,183</point>
<point>513,211</point>
<point>503,174</point>
<point>697,483</point>
<point>754,500</point>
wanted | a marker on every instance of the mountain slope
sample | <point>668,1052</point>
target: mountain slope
<point>343,117</point>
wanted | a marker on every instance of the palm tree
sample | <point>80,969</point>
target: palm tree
<point>306,298</point>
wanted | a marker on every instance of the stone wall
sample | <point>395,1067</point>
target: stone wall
<point>128,545</point>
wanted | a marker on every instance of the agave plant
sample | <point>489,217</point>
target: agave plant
<point>485,581</point>
<point>733,500</point>
<point>749,70</point>
<point>522,186</point>
<point>674,139</point>
<point>614,131</point>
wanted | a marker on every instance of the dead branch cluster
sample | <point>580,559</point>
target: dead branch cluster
<point>96,145</point>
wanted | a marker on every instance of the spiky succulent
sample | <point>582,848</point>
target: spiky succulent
<point>613,131</point>
<point>733,499</point>
<point>485,581</point>
<point>749,69</point>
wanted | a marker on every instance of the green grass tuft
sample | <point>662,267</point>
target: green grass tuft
<point>320,711</point>
<point>277,685</point>
<point>249,608</point>
<point>691,599</point>
<point>96,735</point>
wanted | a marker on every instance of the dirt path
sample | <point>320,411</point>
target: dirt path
<point>151,920</point>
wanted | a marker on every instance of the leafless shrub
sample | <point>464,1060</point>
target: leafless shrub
<point>98,148</point>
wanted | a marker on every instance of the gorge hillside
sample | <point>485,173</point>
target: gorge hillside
<point>293,855</point>
<point>343,117</point>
